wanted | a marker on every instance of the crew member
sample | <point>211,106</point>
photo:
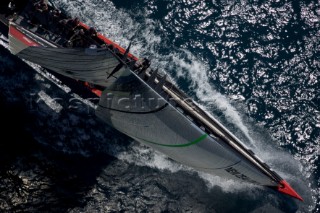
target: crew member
<point>72,26</point>
<point>91,36</point>
<point>73,23</point>
<point>62,27</point>
<point>77,39</point>
<point>55,14</point>
<point>11,8</point>
<point>40,15</point>
<point>42,6</point>
<point>54,19</point>
<point>146,63</point>
<point>141,65</point>
<point>92,32</point>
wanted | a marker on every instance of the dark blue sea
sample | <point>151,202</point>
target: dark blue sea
<point>253,64</point>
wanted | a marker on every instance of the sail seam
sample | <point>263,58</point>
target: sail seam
<point>153,111</point>
<point>201,138</point>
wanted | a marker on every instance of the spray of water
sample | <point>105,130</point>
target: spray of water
<point>144,156</point>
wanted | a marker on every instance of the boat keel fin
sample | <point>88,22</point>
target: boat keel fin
<point>285,188</point>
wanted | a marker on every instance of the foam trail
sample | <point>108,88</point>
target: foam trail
<point>226,185</point>
<point>144,156</point>
<point>196,71</point>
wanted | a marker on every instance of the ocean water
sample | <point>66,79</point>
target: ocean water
<point>254,65</point>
